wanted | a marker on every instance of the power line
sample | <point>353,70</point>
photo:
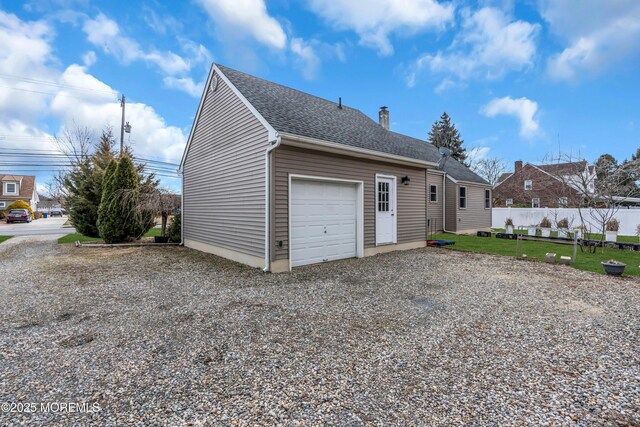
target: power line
<point>56,84</point>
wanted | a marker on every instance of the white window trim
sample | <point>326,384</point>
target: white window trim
<point>508,202</point>
<point>10,193</point>
<point>359,209</point>
<point>530,184</point>
<point>3,204</point>
<point>466,197</point>
<point>532,204</point>
<point>436,187</point>
<point>394,198</point>
<point>485,199</point>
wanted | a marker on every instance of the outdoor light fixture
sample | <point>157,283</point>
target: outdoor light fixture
<point>127,128</point>
<point>405,180</point>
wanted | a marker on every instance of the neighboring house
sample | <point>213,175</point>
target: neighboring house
<point>46,204</point>
<point>18,187</point>
<point>277,178</point>
<point>539,186</point>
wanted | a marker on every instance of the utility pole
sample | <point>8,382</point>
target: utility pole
<point>122,104</point>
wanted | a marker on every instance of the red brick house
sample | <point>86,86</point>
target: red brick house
<point>540,186</point>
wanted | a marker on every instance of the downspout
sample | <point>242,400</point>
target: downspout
<point>444,203</point>
<point>275,143</point>
<point>182,210</point>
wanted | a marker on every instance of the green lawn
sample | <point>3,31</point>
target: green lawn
<point>584,260</point>
<point>73,237</point>
<point>592,236</point>
<point>3,238</point>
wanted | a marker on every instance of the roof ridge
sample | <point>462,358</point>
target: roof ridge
<point>292,89</point>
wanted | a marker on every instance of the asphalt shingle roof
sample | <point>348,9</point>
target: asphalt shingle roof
<point>299,113</point>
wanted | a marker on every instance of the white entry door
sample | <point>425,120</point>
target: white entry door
<point>385,209</point>
<point>323,221</point>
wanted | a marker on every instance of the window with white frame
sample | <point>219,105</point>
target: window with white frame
<point>509,202</point>
<point>11,188</point>
<point>528,184</point>
<point>3,204</point>
<point>433,193</point>
<point>487,199</point>
<point>535,202</point>
<point>462,202</point>
<point>563,202</point>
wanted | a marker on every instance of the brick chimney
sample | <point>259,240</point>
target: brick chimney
<point>383,116</point>
<point>517,166</point>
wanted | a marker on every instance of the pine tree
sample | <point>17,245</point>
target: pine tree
<point>120,217</point>
<point>84,186</point>
<point>443,133</point>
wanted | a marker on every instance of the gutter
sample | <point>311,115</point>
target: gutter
<point>274,143</point>
<point>182,207</point>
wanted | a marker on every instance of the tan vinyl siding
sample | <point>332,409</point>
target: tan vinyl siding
<point>475,217</point>
<point>434,210</point>
<point>452,206</point>
<point>411,198</point>
<point>224,176</point>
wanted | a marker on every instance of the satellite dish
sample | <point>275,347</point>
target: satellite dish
<point>444,152</point>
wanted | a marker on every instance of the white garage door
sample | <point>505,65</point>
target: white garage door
<point>323,221</point>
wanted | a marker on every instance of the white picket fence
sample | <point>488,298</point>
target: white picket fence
<point>628,218</point>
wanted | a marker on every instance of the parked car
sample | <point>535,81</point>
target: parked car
<point>56,212</point>
<point>15,215</point>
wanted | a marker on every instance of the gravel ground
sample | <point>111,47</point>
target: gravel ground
<point>171,336</point>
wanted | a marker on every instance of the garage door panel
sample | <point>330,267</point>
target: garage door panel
<point>323,221</point>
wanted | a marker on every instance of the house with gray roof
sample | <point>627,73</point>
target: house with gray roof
<point>277,178</point>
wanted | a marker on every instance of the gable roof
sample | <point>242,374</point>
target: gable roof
<point>298,113</point>
<point>561,169</point>
<point>27,185</point>
<point>504,176</point>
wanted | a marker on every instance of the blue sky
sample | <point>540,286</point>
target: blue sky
<point>519,79</point>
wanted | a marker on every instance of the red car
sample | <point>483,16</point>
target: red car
<point>15,215</point>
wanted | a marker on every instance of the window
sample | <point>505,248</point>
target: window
<point>509,202</point>
<point>487,199</point>
<point>383,197</point>
<point>563,202</point>
<point>528,184</point>
<point>10,188</point>
<point>462,203</point>
<point>3,205</point>
<point>535,202</point>
<point>433,193</point>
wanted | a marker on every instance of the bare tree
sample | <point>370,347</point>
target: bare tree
<point>597,195</point>
<point>489,168</point>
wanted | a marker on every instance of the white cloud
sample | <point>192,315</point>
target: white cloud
<point>105,33</point>
<point>599,35</point>
<point>89,58</point>
<point>185,84</point>
<point>489,45</point>
<point>523,109</point>
<point>375,20</point>
<point>246,17</point>
<point>477,153</point>
<point>306,57</point>
<point>45,97</point>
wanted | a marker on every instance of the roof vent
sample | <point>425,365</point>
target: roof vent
<point>340,103</point>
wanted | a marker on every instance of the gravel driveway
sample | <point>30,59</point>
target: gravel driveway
<point>423,337</point>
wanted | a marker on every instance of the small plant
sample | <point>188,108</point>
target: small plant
<point>563,223</point>
<point>545,223</point>
<point>612,225</point>
<point>509,221</point>
<point>614,262</point>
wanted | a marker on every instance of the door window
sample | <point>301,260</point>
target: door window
<point>383,196</point>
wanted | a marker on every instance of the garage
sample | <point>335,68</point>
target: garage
<point>325,220</point>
